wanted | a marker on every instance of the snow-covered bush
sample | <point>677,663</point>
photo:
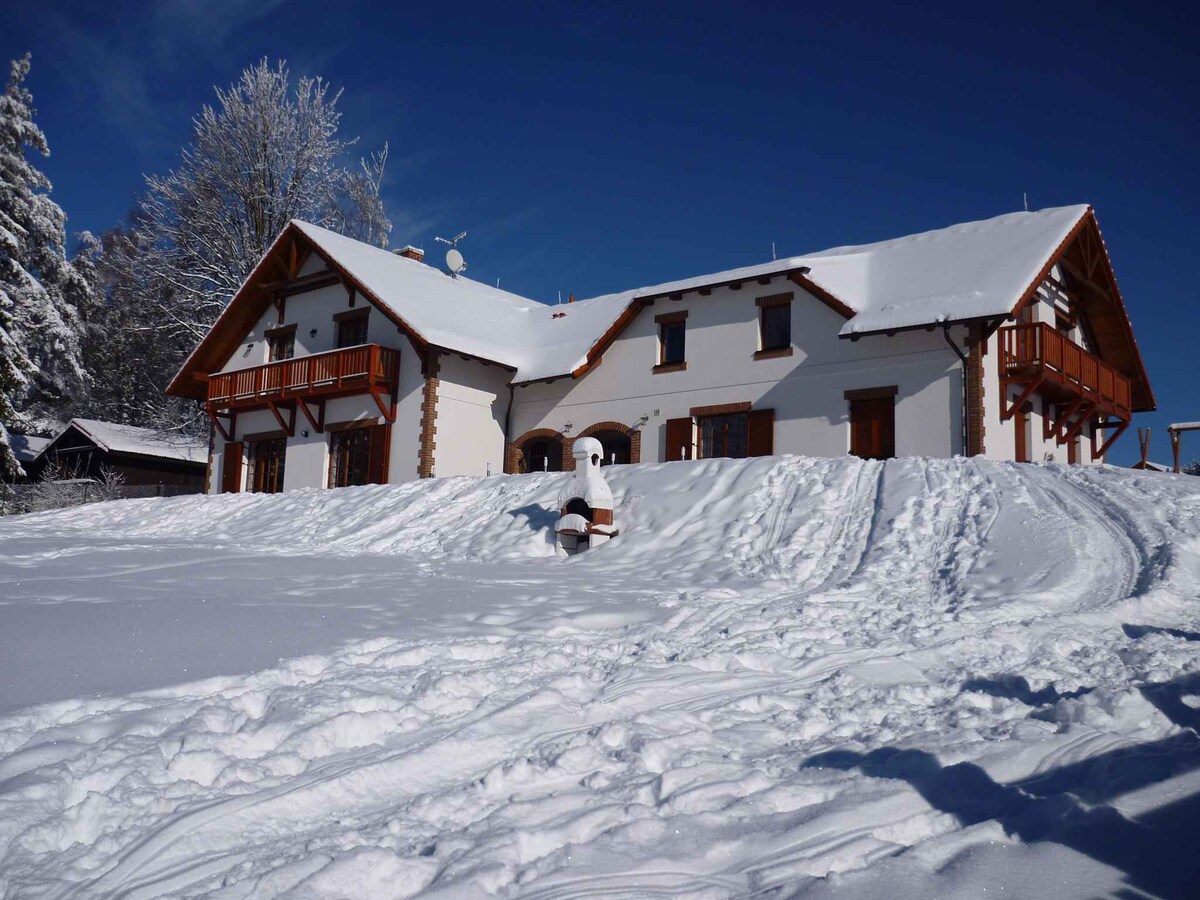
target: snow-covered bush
<point>62,486</point>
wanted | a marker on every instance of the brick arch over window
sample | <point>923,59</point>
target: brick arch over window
<point>514,453</point>
<point>635,440</point>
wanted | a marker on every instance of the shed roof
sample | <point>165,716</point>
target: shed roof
<point>114,438</point>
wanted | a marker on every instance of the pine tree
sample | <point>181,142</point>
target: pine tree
<point>39,288</point>
<point>126,351</point>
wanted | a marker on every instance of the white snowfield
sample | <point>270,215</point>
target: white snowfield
<point>786,677</point>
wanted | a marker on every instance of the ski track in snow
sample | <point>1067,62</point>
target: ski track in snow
<point>654,718</point>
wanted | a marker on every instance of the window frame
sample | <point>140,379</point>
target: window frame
<point>664,322</point>
<point>350,432</point>
<point>275,336</point>
<point>351,318</point>
<point>254,444</point>
<point>768,306</point>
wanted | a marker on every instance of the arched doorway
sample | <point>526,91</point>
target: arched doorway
<point>618,448</point>
<point>622,444</point>
<point>541,453</point>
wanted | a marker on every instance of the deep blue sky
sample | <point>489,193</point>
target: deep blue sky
<point>596,149</point>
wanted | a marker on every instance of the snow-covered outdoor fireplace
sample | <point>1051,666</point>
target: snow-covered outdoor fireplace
<point>585,503</point>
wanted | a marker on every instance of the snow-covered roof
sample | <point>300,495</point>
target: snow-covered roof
<point>968,271</point>
<point>1183,426</point>
<point>116,438</point>
<point>26,447</point>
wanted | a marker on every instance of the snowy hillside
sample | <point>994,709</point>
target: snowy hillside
<point>786,677</point>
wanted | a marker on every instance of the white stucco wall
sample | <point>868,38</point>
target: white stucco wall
<point>806,390</point>
<point>307,458</point>
<point>472,400</point>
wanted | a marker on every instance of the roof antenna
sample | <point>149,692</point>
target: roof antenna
<point>454,260</point>
<point>772,251</point>
<point>1025,194</point>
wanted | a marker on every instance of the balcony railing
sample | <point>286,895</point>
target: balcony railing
<point>1036,352</point>
<point>351,370</point>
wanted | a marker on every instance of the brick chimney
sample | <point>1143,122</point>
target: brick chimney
<point>408,251</point>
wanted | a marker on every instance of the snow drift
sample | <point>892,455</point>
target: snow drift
<point>787,675</point>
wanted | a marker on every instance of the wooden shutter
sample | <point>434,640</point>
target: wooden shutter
<point>679,439</point>
<point>760,432</point>
<point>873,428</point>
<point>377,459</point>
<point>231,468</point>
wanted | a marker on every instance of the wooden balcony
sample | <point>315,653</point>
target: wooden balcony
<point>291,383</point>
<point>1047,362</point>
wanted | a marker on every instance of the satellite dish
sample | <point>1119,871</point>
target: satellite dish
<point>455,262</point>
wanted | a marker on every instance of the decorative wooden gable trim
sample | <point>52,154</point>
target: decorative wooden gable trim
<point>1091,279</point>
<point>267,284</point>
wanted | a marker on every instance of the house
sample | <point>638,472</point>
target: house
<point>339,363</point>
<point>142,457</point>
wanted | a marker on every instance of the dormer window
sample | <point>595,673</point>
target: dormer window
<point>281,343</point>
<point>351,327</point>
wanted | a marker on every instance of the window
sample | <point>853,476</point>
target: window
<point>351,328</point>
<point>672,336</point>
<point>266,458</point>
<point>774,326</point>
<point>734,430</point>
<point>723,436</point>
<point>281,343</point>
<point>350,457</point>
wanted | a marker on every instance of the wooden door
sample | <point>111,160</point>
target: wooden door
<point>381,446</point>
<point>760,430</point>
<point>873,428</point>
<point>679,439</point>
<point>231,468</point>
<point>1021,423</point>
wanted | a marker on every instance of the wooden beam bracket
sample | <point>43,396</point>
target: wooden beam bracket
<point>215,418</point>
<point>388,411</point>
<point>289,424</point>
<point>1112,437</point>
<point>317,421</point>
<point>1006,411</point>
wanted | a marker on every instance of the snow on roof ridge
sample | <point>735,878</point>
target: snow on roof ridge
<point>116,437</point>
<point>945,231</point>
<point>961,271</point>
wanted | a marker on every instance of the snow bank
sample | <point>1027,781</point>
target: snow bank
<point>791,676</point>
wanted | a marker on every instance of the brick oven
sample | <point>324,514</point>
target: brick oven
<point>585,503</point>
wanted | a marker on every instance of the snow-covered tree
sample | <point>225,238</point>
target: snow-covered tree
<point>40,289</point>
<point>266,153</point>
<point>127,353</point>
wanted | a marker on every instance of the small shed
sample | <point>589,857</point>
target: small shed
<point>143,457</point>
